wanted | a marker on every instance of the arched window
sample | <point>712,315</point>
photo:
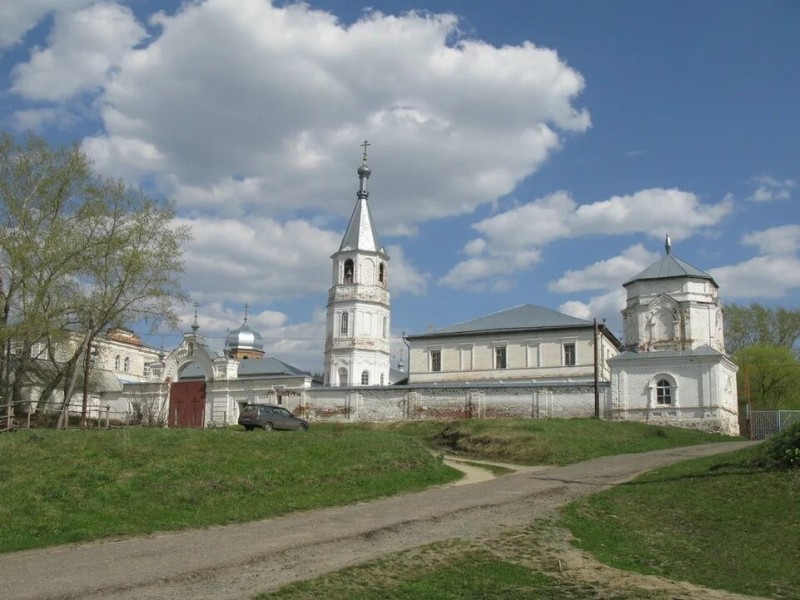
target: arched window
<point>385,327</point>
<point>116,362</point>
<point>126,365</point>
<point>365,378</point>
<point>382,379</point>
<point>663,327</point>
<point>382,273</point>
<point>663,392</point>
<point>348,271</point>
<point>344,324</point>
<point>342,376</point>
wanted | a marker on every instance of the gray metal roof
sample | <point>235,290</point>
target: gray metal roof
<point>361,233</point>
<point>670,267</point>
<point>526,316</point>
<point>253,367</point>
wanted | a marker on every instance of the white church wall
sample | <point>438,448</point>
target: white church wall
<point>529,355</point>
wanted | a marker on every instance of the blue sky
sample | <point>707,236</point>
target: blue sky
<point>522,152</point>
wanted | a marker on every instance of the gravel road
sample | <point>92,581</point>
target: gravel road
<point>240,561</point>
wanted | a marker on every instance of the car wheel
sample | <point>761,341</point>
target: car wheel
<point>303,427</point>
<point>267,426</point>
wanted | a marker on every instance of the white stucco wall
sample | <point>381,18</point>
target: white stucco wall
<point>529,355</point>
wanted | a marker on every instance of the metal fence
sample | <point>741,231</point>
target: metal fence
<point>764,423</point>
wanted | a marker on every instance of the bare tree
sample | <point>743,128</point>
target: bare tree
<point>79,254</point>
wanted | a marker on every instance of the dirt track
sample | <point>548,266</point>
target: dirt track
<point>239,561</point>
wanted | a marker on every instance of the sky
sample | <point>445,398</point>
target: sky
<point>521,152</point>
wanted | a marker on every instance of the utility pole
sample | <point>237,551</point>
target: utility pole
<point>87,365</point>
<point>596,373</point>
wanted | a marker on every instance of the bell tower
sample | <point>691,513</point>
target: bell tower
<point>357,334</point>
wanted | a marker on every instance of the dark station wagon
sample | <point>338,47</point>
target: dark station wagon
<point>269,417</point>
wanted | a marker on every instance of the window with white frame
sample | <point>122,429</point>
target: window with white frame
<point>436,360</point>
<point>364,377</point>
<point>500,357</point>
<point>117,362</point>
<point>382,379</point>
<point>342,376</point>
<point>126,365</point>
<point>569,354</point>
<point>533,354</point>
<point>663,392</point>
<point>344,324</point>
<point>466,357</point>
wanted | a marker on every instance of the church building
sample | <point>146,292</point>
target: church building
<point>357,332</point>
<point>674,369</point>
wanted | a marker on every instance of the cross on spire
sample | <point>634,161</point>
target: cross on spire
<point>246,306</point>
<point>195,324</point>
<point>364,145</point>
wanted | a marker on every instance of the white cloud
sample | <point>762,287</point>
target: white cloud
<point>781,240</point>
<point>403,277</point>
<point>259,259</point>
<point>269,117</point>
<point>529,227</point>
<point>759,277</point>
<point>471,273</point>
<point>17,17</point>
<point>83,47</point>
<point>37,118</point>
<point>606,274</point>
<point>770,189</point>
<point>606,306</point>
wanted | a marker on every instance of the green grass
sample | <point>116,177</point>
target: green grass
<point>492,568</point>
<point>64,486</point>
<point>548,441</point>
<point>718,521</point>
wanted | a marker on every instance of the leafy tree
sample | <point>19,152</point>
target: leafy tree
<point>772,374</point>
<point>79,253</point>
<point>759,324</point>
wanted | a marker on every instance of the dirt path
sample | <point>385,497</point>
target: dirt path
<point>239,561</point>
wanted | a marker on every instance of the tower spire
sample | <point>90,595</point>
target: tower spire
<point>668,245</point>
<point>246,306</point>
<point>363,173</point>
<point>195,324</point>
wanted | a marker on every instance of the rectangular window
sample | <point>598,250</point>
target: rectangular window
<point>344,326</point>
<point>569,355</point>
<point>466,358</point>
<point>436,360</point>
<point>500,357</point>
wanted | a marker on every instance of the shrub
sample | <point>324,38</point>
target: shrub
<point>783,449</point>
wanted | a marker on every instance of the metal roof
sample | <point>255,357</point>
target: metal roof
<point>244,338</point>
<point>253,367</point>
<point>361,233</point>
<point>670,267</point>
<point>526,316</point>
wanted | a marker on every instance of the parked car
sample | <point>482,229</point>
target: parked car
<point>269,417</point>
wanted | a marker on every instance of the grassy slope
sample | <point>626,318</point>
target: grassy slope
<point>58,487</point>
<point>62,486</point>
<point>716,521</point>
<point>548,441</point>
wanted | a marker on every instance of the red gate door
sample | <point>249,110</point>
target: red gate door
<point>187,404</point>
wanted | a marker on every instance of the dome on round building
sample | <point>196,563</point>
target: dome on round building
<point>244,338</point>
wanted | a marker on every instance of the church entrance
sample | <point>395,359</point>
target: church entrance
<point>187,404</point>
